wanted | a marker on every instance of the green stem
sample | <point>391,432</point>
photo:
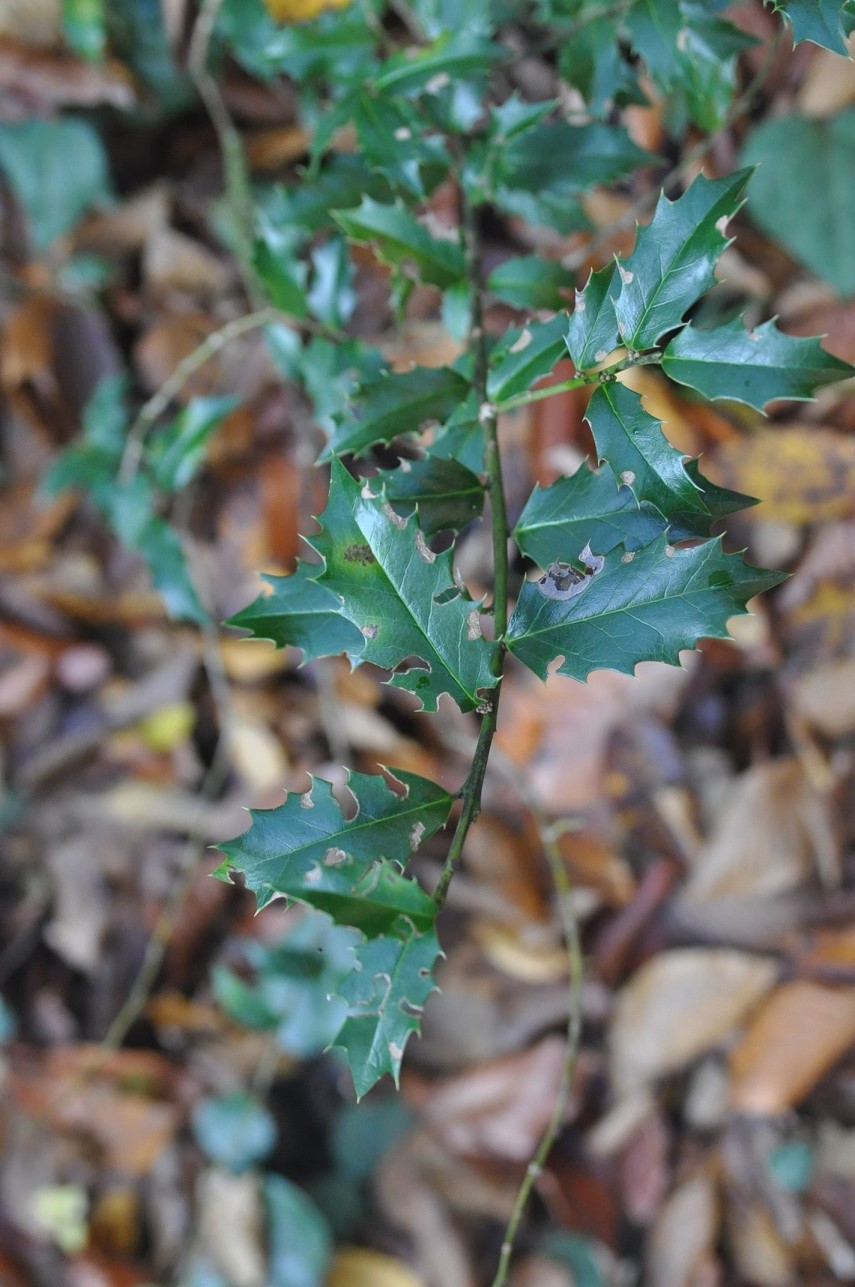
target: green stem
<point>602,376</point>
<point>472,787</point>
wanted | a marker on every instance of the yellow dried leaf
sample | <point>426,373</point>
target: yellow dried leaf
<point>795,1037</point>
<point>360,1267</point>
<point>301,10</point>
<point>802,474</point>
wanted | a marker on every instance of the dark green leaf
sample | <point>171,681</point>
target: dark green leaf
<point>589,508</point>
<point>177,453</point>
<point>462,437</point>
<point>386,996</point>
<point>592,334</point>
<point>57,170</point>
<point>592,61</point>
<point>299,1238</point>
<point>691,51</point>
<point>331,372</point>
<point>663,600</point>
<point>456,53</point>
<point>542,170</point>
<point>296,985</point>
<point>635,447</point>
<point>340,185</point>
<point>752,367</point>
<point>235,1130</point>
<point>394,589</point>
<point>349,868</point>
<point>522,357</point>
<point>401,240</point>
<point>300,613</point>
<point>396,404</point>
<point>822,154</point>
<point>686,524</point>
<point>337,46</point>
<point>530,282</point>
<point>447,494</point>
<point>393,140</point>
<point>673,261</point>
<point>138,39</point>
<point>824,22</point>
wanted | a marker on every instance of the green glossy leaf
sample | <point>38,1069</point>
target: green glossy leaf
<point>386,996</point>
<point>395,590</point>
<point>400,240</point>
<point>57,170</point>
<point>522,357</point>
<point>691,52</point>
<point>234,1130</point>
<point>593,62</point>
<point>687,524</point>
<point>280,272</point>
<point>542,170</point>
<point>462,437</point>
<point>350,868</point>
<point>396,404</point>
<point>530,282</point>
<point>300,1244</point>
<point>632,442</point>
<point>822,154</point>
<point>456,53</point>
<point>673,261</point>
<point>177,453</point>
<point>331,297</point>
<point>446,493</point>
<point>824,22</point>
<point>664,600</point>
<point>588,508</point>
<point>753,367</point>
<point>593,334</point>
<point>84,27</point>
<point>393,140</point>
<point>300,613</point>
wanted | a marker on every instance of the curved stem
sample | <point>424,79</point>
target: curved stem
<point>603,376</point>
<point>187,367</point>
<point>550,834</point>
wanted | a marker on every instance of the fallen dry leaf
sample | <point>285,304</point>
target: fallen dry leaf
<point>797,1034</point>
<point>230,1224</point>
<point>501,1108</point>
<point>679,1005</point>
<point>361,1267</point>
<point>825,697</point>
<point>682,1242</point>
<point>772,829</point>
<point>828,87</point>
<point>760,1252</point>
<point>801,473</point>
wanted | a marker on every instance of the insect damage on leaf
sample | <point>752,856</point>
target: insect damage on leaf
<point>564,581</point>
